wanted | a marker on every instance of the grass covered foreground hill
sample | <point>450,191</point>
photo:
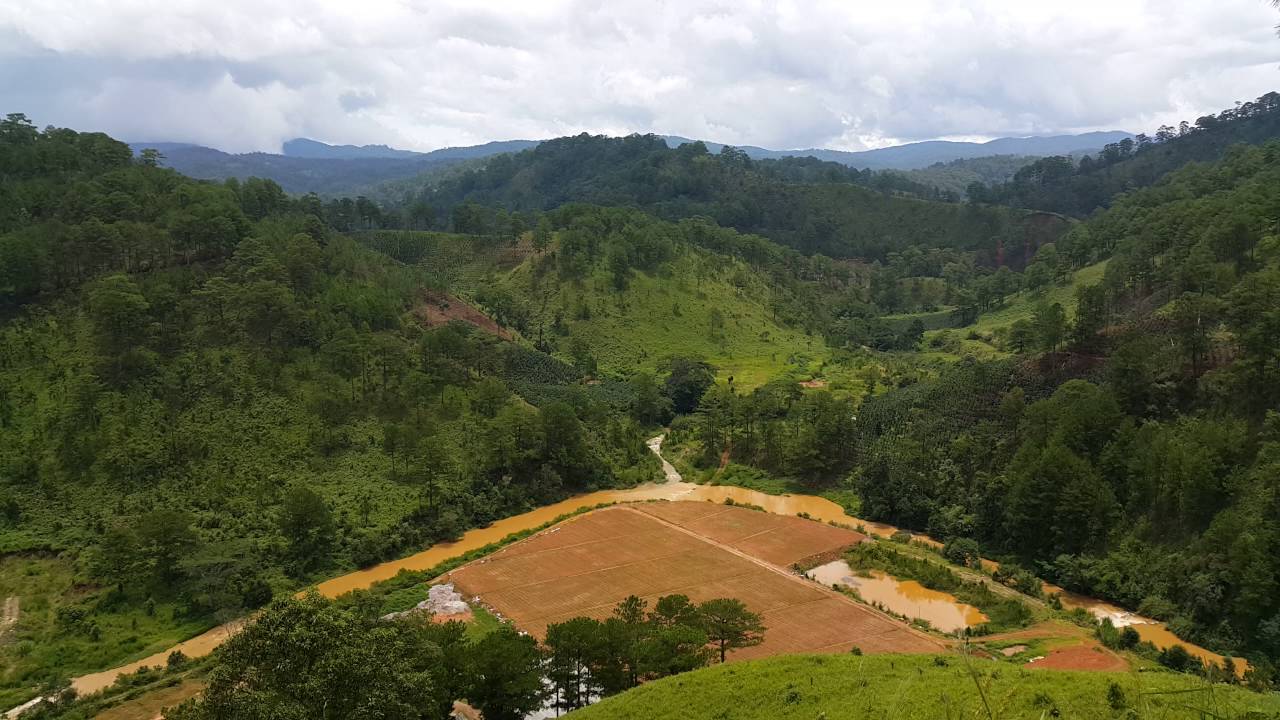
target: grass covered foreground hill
<point>852,687</point>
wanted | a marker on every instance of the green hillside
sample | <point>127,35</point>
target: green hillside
<point>985,336</point>
<point>698,304</point>
<point>848,687</point>
<point>808,205</point>
<point>1059,184</point>
<point>208,396</point>
<point>1022,305</point>
<point>614,291</point>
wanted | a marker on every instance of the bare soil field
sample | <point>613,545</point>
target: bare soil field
<point>778,539</point>
<point>1087,655</point>
<point>440,308</point>
<point>586,565</point>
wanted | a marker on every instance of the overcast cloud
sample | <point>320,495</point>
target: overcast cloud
<point>247,74</point>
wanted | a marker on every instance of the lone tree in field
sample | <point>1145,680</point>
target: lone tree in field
<point>730,625</point>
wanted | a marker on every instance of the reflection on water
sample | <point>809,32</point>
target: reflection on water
<point>673,489</point>
<point>904,597</point>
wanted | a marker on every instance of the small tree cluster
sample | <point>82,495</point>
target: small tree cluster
<point>590,658</point>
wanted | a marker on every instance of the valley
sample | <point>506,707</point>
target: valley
<point>773,544</point>
<point>649,409</point>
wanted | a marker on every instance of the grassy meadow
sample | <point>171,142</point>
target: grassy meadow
<point>897,687</point>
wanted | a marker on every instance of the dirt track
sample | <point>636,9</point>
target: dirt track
<point>9,621</point>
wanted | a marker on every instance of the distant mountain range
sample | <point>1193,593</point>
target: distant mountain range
<point>307,165</point>
<point>308,148</point>
<point>913,156</point>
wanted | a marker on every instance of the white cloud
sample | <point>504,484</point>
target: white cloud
<point>248,74</point>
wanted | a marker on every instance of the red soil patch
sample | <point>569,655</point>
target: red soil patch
<point>1088,655</point>
<point>586,565</point>
<point>813,384</point>
<point>440,308</point>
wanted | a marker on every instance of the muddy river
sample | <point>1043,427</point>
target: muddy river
<point>903,597</point>
<point>674,488</point>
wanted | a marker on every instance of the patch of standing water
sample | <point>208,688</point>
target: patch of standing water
<point>1152,631</point>
<point>907,598</point>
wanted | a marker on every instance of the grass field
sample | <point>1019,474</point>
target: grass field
<point>889,687</point>
<point>586,565</point>
<point>43,638</point>
<point>979,339</point>
<point>1021,306</point>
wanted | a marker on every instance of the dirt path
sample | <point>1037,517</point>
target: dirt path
<point>151,705</point>
<point>9,620</point>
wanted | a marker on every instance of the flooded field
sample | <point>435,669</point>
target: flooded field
<point>903,597</point>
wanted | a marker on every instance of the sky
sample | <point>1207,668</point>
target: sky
<point>245,75</point>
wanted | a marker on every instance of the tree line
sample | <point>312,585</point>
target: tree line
<point>314,658</point>
<point>805,204</point>
<point>1129,452</point>
<point>1060,184</point>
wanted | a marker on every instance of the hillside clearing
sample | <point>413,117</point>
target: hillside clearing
<point>699,305</point>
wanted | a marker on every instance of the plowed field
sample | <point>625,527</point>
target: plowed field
<point>585,565</point>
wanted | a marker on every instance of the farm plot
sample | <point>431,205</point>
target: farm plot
<point>779,539</point>
<point>587,564</point>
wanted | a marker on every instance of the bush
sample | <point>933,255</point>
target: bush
<point>962,551</point>
<point>1177,658</point>
<point>1115,697</point>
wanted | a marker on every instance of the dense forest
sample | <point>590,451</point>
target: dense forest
<point>954,178</point>
<point>1130,452</point>
<point>803,203</point>
<point>207,395</point>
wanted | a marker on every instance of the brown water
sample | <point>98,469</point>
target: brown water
<point>904,597</point>
<point>1152,631</point>
<point>673,489</point>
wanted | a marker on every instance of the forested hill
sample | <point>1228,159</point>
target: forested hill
<point>806,204</point>
<point>208,396</point>
<point>1059,184</point>
<point>1132,453</point>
